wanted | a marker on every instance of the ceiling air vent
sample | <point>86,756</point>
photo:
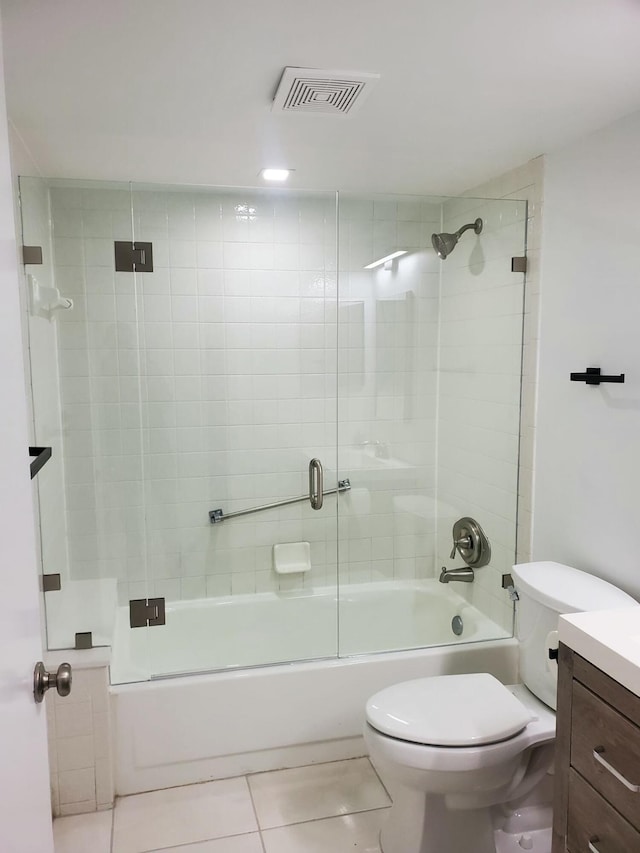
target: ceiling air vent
<point>316,91</point>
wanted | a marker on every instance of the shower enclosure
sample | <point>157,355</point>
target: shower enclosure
<point>218,342</point>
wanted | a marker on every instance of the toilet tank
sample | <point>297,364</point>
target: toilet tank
<point>546,590</point>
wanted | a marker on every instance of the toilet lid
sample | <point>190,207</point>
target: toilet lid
<point>449,710</point>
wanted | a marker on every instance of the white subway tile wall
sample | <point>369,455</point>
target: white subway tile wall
<point>208,383</point>
<point>388,339</point>
<point>79,729</point>
<point>484,349</point>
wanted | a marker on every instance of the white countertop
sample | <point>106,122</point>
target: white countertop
<point>609,639</point>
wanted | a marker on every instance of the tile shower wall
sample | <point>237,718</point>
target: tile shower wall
<point>207,383</point>
<point>481,428</point>
<point>388,336</point>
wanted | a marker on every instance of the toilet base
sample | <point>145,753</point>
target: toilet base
<point>487,830</point>
<point>439,828</point>
<point>528,827</point>
<point>536,841</point>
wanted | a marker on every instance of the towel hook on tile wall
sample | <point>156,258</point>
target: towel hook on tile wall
<point>592,376</point>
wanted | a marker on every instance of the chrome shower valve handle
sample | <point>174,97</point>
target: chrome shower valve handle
<point>463,542</point>
<point>470,541</point>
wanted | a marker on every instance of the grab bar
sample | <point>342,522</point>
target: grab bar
<point>217,515</point>
<point>316,484</point>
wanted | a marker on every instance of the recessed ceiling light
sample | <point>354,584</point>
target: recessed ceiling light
<point>386,258</point>
<point>275,174</point>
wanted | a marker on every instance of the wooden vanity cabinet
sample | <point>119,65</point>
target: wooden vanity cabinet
<point>597,774</point>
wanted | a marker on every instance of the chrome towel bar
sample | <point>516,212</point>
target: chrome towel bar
<point>217,515</point>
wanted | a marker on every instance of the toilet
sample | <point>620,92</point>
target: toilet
<point>461,754</point>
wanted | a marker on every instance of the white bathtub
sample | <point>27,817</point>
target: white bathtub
<point>210,634</point>
<point>174,731</point>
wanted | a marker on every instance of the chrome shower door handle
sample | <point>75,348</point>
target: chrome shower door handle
<point>316,484</point>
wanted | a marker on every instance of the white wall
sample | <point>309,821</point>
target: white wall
<point>588,438</point>
<point>25,806</point>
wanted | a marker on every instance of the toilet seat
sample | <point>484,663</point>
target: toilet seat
<point>541,729</point>
<point>449,711</point>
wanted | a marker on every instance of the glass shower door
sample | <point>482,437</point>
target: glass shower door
<point>237,324</point>
<point>83,358</point>
<point>429,370</point>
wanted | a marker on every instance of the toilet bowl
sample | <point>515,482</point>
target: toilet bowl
<point>456,750</point>
<point>453,744</point>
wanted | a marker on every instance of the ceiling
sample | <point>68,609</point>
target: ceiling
<point>180,91</point>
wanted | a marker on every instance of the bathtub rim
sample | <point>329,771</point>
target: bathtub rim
<point>422,585</point>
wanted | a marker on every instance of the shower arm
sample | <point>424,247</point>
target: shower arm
<point>469,226</point>
<point>217,515</point>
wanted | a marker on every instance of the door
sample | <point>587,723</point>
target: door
<point>236,322</point>
<point>25,810</point>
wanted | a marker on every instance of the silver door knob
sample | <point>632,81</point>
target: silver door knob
<point>43,680</point>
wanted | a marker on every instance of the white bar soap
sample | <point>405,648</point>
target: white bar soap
<point>292,557</point>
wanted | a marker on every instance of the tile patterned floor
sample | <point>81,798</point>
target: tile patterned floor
<point>323,808</point>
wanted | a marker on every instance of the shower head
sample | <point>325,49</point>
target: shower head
<point>444,244</point>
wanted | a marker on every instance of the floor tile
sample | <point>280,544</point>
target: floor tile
<point>160,819</point>
<point>236,844</point>
<point>357,832</point>
<point>282,797</point>
<point>84,832</point>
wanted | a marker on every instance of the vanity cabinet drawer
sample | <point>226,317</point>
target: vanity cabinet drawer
<point>594,826</point>
<point>605,750</point>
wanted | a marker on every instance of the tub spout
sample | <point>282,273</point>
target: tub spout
<point>464,575</point>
